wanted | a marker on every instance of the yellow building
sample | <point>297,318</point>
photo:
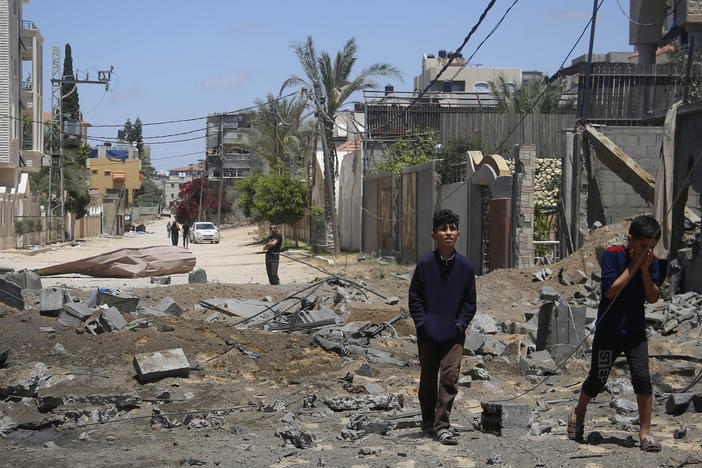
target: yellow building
<point>114,167</point>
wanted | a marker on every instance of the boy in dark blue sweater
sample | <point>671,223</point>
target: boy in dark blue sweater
<point>442,304</point>
<point>629,277</point>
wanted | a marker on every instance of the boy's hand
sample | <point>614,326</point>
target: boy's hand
<point>647,259</point>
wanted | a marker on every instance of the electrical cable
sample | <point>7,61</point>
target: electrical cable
<point>656,23</point>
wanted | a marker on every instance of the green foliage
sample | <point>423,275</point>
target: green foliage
<point>416,147</point>
<point>148,194</point>
<point>20,227</point>
<point>133,134</point>
<point>534,97</point>
<point>542,225</point>
<point>247,189</point>
<point>280,198</point>
<point>70,109</point>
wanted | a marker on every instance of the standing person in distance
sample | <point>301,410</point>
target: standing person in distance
<point>168,229</point>
<point>186,234</point>
<point>630,276</point>
<point>442,302</point>
<point>272,248</point>
<point>175,229</point>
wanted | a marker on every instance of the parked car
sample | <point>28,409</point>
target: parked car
<point>204,232</point>
<point>165,212</point>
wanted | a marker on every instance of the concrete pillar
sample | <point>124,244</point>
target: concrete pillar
<point>647,53</point>
<point>522,209</point>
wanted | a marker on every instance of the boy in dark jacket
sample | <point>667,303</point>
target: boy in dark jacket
<point>442,304</point>
<point>629,277</point>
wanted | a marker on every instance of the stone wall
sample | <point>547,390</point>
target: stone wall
<point>547,179</point>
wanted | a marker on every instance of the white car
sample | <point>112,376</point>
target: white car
<point>204,232</point>
<point>165,212</point>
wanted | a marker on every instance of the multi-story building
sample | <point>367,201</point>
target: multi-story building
<point>227,143</point>
<point>172,179</point>
<point>21,46</point>
<point>114,167</point>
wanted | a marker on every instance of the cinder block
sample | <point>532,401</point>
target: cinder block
<point>508,418</point>
<point>160,280</point>
<point>74,312</point>
<point>25,279</point>
<point>161,364</point>
<point>169,307</point>
<point>111,320</point>
<point>560,324</point>
<point>52,300</point>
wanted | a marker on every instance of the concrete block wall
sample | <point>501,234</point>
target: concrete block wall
<point>643,144</point>
<point>523,206</point>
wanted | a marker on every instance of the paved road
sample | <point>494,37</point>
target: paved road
<point>236,259</point>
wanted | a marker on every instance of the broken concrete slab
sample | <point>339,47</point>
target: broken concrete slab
<point>560,323</point>
<point>542,275</point>
<point>492,347</point>
<point>296,436</point>
<point>111,320</point>
<point>378,402</point>
<point>169,307</point>
<point>624,406</point>
<point>125,304</point>
<point>52,301</point>
<point>547,293</point>
<point>473,343</point>
<point>160,280</point>
<point>11,294</point>
<point>678,403</point>
<point>505,418</point>
<point>392,300</point>
<point>161,364</point>
<point>26,381</point>
<point>74,313</point>
<point>25,279</point>
<point>483,323</point>
<point>198,276</point>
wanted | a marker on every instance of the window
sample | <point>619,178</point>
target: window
<point>172,184</point>
<point>94,171</point>
<point>107,173</point>
<point>173,195</point>
<point>511,87</point>
<point>481,87</point>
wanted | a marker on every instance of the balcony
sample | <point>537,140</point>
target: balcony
<point>26,86</point>
<point>27,24</point>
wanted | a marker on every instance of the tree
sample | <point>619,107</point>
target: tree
<point>536,96</point>
<point>330,83</point>
<point>189,200</point>
<point>70,108</point>
<point>416,147</point>
<point>247,190</point>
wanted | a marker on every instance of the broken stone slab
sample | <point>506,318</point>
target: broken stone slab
<point>547,293</point>
<point>161,364</point>
<point>515,348</point>
<point>465,381</point>
<point>564,278</point>
<point>678,403</point>
<point>625,423</point>
<point>111,320</point>
<point>483,323</point>
<point>378,356</point>
<point>624,406</point>
<point>47,402</point>
<point>25,279</point>
<point>160,280</point>
<point>392,300</point>
<point>31,377</point>
<point>473,343</point>
<point>52,301</point>
<point>560,323</point>
<point>617,386</point>
<point>492,347</point>
<point>198,276</point>
<point>169,307</point>
<point>125,304</point>
<point>341,295</point>
<point>74,313</point>
<point>478,373</point>
<point>11,294</point>
<point>533,367</point>
<point>507,418</point>
<point>368,425</point>
<point>378,402</point>
<point>542,275</point>
<point>307,302</point>
<point>158,419</point>
<point>296,436</point>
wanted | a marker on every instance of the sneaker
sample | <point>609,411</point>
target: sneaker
<point>446,437</point>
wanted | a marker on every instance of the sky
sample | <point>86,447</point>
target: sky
<point>177,59</point>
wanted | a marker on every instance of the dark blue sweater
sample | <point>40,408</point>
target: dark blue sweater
<point>441,296</point>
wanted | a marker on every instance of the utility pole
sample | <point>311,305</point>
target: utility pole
<point>329,196</point>
<point>57,123</point>
<point>588,71</point>
<point>221,168</point>
<point>202,189</point>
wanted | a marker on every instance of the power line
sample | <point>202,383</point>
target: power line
<point>655,23</point>
<point>155,136</point>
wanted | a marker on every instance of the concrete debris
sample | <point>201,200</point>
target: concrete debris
<point>465,381</point>
<point>483,323</point>
<point>508,418</point>
<point>11,294</point>
<point>625,423</point>
<point>378,402</point>
<point>679,403</point>
<point>560,323</point>
<point>275,407</point>
<point>48,400</point>
<point>547,293</point>
<point>563,278</point>
<point>288,418</point>
<point>192,462</point>
<point>478,373</point>
<point>617,386</point>
<point>392,300</point>
<point>52,301</point>
<point>111,320</point>
<point>239,347</point>
<point>296,436</point>
<point>305,319</point>
<point>360,424</point>
<point>30,378</point>
<point>125,304</point>
<point>160,280</point>
<point>347,343</point>
<point>494,459</point>
<point>74,313</point>
<point>364,370</point>
<point>161,364</point>
<point>309,401</point>
<point>198,276</point>
<point>167,307</point>
<point>624,406</point>
<point>542,275</point>
<point>680,433</point>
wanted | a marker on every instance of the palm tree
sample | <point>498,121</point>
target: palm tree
<point>328,82</point>
<point>528,98</point>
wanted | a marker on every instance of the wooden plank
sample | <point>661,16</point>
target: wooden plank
<point>409,212</point>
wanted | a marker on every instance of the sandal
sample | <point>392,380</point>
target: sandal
<point>446,437</point>
<point>576,430</point>
<point>649,444</point>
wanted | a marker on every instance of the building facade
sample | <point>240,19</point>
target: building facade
<point>171,180</point>
<point>227,147</point>
<point>113,168</point>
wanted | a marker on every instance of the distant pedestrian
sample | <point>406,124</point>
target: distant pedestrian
<point>272,248</point>
<point>168,229</point>
<point>186,234</point>
<point>175,230</point>
<point>442,304</point>
<point>630,277</point>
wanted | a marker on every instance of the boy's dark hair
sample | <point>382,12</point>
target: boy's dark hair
<point>443,217</point>
<point>645,226</point>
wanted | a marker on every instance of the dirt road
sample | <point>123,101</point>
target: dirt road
<point>236,259</point>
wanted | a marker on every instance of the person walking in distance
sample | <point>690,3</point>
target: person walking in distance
<point>175,229</point>
<point>442,302</point>
<point>168,229</point>
<point>186,234</point>
<point>272,248</point>
<point>630,276</point>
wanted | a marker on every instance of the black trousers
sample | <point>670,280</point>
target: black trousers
<point>605,350</point>
<point>272,268</point>
<point>174,238</point>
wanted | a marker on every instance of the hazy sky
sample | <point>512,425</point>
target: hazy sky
<point>181,59</point>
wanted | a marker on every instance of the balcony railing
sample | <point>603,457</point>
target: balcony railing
<point>26,24</point>
<point>26,86</point>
